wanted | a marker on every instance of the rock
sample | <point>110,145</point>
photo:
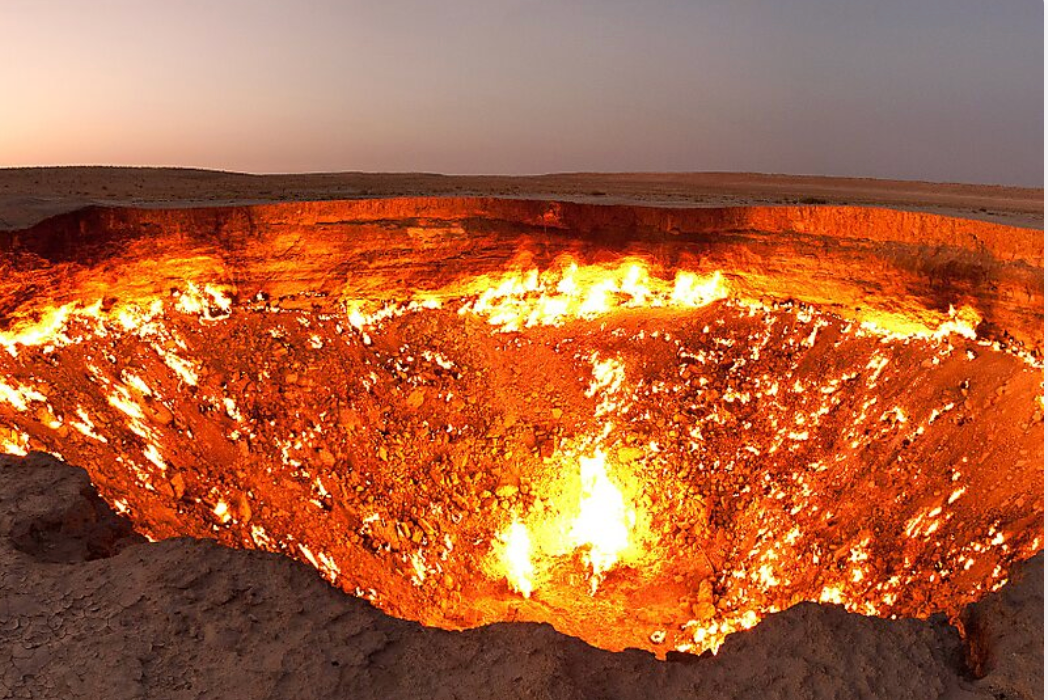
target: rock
<point>431,534</point>
<point>703,611</point>
<point>628,455</point>
<point>178,486</point>
<point>243,508</point>
<point>416,398</point>
<point>162,414</point>
<point>45,416</point>
<point>1004,635</point>
<point>349,419</point>
<point>704,593</point>
<point>506,491</point>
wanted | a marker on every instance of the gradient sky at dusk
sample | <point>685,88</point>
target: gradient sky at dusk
<point>948,90</point>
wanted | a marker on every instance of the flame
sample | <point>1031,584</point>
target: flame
<point>691,291</point>
<point>591,518</point>
<point>204,302</point>
<point>604,522</point>
<point>928,325</point>
<point>221,511</point>
<point>19,396</point>
<point>50,326</point>
<point>13,442</point>
<point>525,299</point>
<point>513,547</point>
<point>962,323</point>
<point>608,377</point>
<point>590,515</point>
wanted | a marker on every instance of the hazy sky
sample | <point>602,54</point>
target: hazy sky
<point>919,89</point>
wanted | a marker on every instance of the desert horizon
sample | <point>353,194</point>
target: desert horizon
<point>30,193</point>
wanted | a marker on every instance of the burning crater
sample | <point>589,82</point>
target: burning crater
<point>648,427</point>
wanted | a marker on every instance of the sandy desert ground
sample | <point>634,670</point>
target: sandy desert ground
<point>28,195</point>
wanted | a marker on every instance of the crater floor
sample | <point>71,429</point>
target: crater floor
<point>755,456</point>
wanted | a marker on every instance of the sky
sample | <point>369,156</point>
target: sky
<point>940,90</point>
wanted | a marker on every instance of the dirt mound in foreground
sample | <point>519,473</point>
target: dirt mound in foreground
<point>89,610</point>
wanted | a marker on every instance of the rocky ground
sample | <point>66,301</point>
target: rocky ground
<point>88,609</point>
<point>748,445</point>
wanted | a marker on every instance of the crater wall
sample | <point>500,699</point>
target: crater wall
<point>860,262</point>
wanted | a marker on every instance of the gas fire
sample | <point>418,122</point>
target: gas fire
<point>593,520</point>
<point>604,523</point>
<point>562,444</point>
<point>566,292</point>
<point>515,557</point>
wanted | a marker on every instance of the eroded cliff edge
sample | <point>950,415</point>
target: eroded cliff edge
<point>88,609</point>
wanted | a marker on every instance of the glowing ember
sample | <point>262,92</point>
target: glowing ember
<point>221,511</point>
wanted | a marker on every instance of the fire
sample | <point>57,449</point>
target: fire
<point>608,376</point>
<point>13,442</point>
<point>210,303</point>
<point>692,292</point>
<point>562,293</point>
<point>221,511</point>
<point>50,325</point>
<point>960,322</point>
<point>19,396</point>
<point>514,554</point>
<point>940,326</point>
<point>604,522</point>
<point>590,516</point>
<point>695,464</point>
